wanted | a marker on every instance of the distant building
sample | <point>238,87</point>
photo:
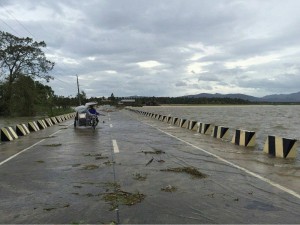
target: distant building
<point>127,102</point>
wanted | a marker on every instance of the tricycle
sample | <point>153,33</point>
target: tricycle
<point>84,117</point>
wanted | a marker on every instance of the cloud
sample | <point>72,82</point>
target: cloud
<point>181,84</point>
<point>164,48</point>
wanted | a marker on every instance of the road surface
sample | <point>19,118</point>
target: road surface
<point>133,169</point>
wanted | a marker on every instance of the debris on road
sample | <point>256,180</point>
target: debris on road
<point>119,197</point>
<point>169,188</point>
<point>138,176</point>
<point>150,161</point>
<point>156,152</point>
<point>90,167</point>
<point>189,170</point>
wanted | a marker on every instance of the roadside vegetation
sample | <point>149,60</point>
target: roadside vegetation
<point>23,67</point>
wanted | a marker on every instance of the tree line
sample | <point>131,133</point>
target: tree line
<point>22,62</point>
<point>154,101</point>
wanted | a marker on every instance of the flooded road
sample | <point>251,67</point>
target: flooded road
<point>135,169</point>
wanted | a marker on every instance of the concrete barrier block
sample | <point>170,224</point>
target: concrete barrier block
<point>54,120</point>
<point>169,119</point>
<point>192,125</point>
<point>183,123</point>
<point>41,124</point>
<point>59,119</point>
<point>22,130</point>
<point>175,121</point>
<point>281,147</point>
<point>32,126</point>
<point>49,122</point>
<point>205,128</point>
<point>8,134</point>
<point>220,132</point>
<point>244,138</point>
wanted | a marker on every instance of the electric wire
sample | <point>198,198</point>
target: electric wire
<point>32,35</point>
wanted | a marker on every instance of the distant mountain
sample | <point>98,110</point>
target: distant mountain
<point>217,95</point>
<point>294,97</point>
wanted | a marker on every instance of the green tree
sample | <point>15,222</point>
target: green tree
<point>23,97</point>
<point>22,57</point>
<point>82,97</point>
<point>112,98</point>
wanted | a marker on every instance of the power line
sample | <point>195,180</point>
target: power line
<point>29,32</point>
<point>17,20</point>
<point>10,27</point>
<point>32,35</point>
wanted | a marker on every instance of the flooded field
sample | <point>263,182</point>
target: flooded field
<point>279,120</point>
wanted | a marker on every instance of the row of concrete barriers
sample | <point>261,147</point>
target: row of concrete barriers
<point>274,145</point>
<point>10,134</point>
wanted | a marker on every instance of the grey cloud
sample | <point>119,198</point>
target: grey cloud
<point>208,77</point>
<point>119,34</point>
<point>284,83</point>
<point>181,84</point>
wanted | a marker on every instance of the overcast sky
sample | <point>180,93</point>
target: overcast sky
<point>164,47</point>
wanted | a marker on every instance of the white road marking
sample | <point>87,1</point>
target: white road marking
<point>26,149</point>
<point>110,125</point>
<point>287,190</point>
<point>115,146</point>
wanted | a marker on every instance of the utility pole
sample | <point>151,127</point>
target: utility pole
<point>78,90</point>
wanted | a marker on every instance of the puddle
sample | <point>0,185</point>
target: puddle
<point>52,145</point>
<point>45,137</point>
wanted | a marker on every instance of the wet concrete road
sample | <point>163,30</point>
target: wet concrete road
<point>63,175</point>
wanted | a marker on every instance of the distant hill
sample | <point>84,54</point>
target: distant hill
<point>294,97</point>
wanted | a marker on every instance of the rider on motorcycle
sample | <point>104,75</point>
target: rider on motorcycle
<point>93,111</point>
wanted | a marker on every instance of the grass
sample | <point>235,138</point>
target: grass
<point>188,170</point>
<point>157,152</point>
<point>90,167</point>
<point>118,197</point>
<point>109,163</point>
<point>97,156</point>
<point>139,177</point>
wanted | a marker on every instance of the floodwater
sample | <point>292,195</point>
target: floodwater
<point>279,120</point>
